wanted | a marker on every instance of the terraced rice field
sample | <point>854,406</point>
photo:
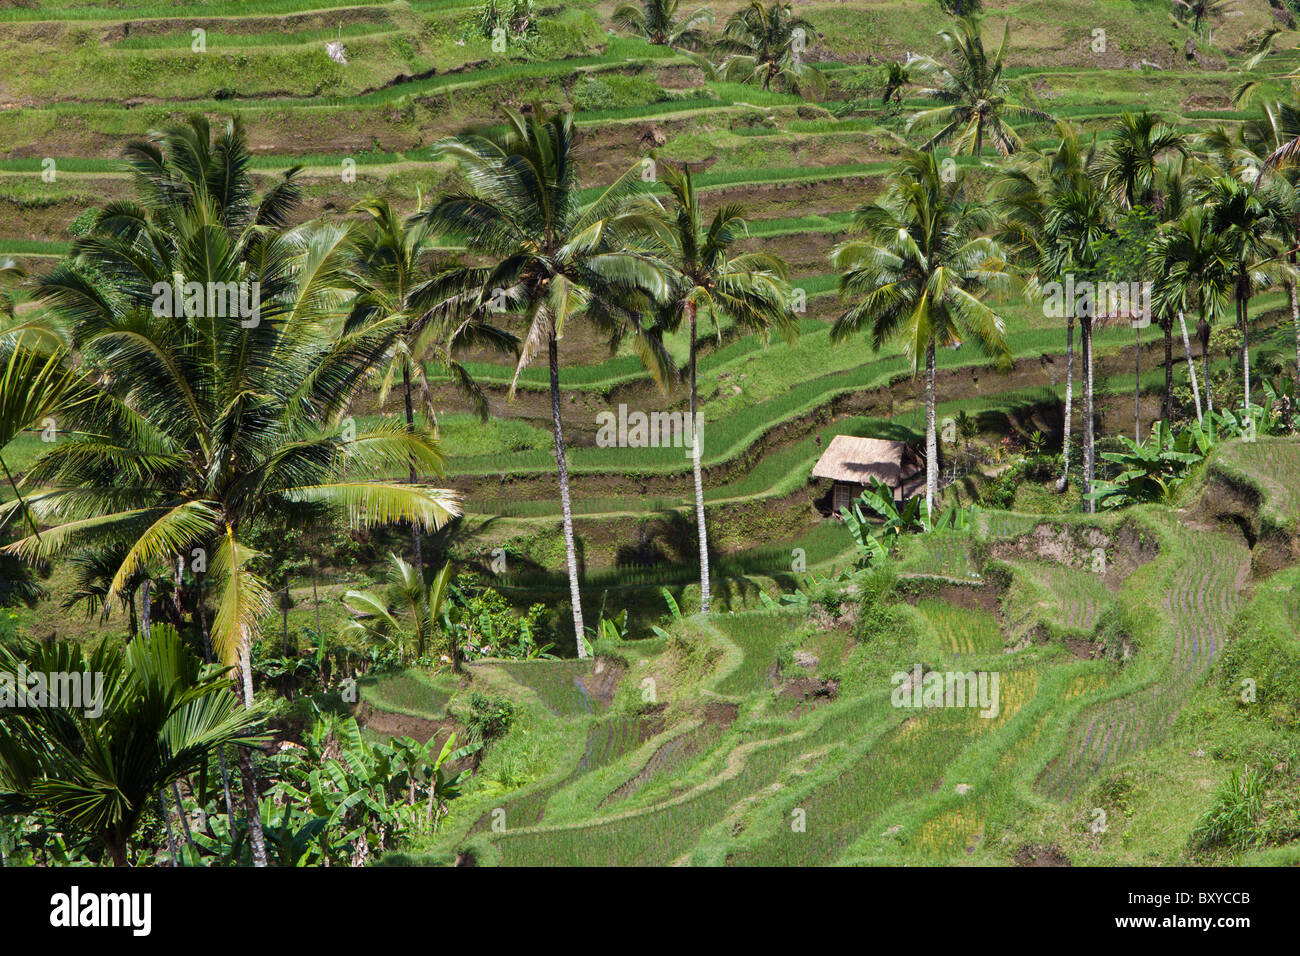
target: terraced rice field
<point>1080,596</point>
<point>760,636</point>
<point>1273,465</point>
<point>963,631</point>
<point>565,688</point>
<point>1204,593</point>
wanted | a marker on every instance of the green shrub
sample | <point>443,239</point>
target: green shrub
<point>490,718</point>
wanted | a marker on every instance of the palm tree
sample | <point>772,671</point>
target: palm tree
<point>1129,162</point>
<point>395,300</point>
<point>657,22</point>
<point>407,615</point>
<point>33,387</point>
<point>164,715</point>
<point>1053,216</point>
<point>551,257</point>
<point>1202,10</point>
<point>709,282</point>
<point>1193,266</point>
<point>1247,221</point>
<point>1269,144</point>
<point>974,92</point>
<point>916,274</point>
<point>898,77</point>
<point>93,571</point>
<point>766,44</point>
<point>212,418</point>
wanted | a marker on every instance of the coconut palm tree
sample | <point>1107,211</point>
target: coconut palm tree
<point>1053,216</point>
<point>163,714</point>
<point>916,274</point>
<point>1248,220</point>
<point>896,79</point>
<point>406,615</point>
<point>766,45</point>
<point>708,282</point>
<point>395,299</point>
<point>33,387</point>
<point>974,92</point>
<point>224,383</point>
<point>658,22</point>
<point>1193,266</point>
<point>1129,162</point>
<point>551,257</point>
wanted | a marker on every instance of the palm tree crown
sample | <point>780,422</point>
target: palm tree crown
<point>974,92</point>
<point>657,22</point>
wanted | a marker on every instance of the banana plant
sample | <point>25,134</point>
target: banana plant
<point>1149,472</point>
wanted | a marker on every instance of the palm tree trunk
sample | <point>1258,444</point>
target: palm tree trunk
<point>117,850</point>
<point>694,466</point>
<point>696,452</point>
<point>180,812</point>
<point>146,608</point>
<point>1069,400</point>
<point>221,751</point>
<point>1085,328</point>
<point>167,821</point>
<point>247,772</point>
<point>931,444</point>
<point>570,552</point>
<point>418,561</point>
<point>1295,319</point>
<point>252,807</point>
<point>1191,365</point>
<point>1245,349</point>
<point>1137,383</point>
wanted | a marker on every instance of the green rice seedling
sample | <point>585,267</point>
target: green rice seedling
<point>962,631</point>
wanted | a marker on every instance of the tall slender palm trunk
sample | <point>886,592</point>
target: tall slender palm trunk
<point>252,806</point>
<point>418,559</point>
<point>1085,330</point>
<point>1137,382</point>
<point>1191,365</point>
<point>570,552</point>
<point>1245,350</point>
<point>247,772</point>
<point>1064,481</point>
<point>931,444</point>
<point>1295,319</point>
<point>202,616</point>
<point>696,453</point>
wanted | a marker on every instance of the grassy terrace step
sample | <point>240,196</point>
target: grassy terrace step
<point>1200,574</point>
<point>1271,465</point>
<point>729,431</point>
<point>241,9</point>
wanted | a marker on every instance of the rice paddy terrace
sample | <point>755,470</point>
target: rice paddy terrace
<point>756,735</point>
<point>770,737</point>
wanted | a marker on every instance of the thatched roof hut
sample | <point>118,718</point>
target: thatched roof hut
<point>851,463</point>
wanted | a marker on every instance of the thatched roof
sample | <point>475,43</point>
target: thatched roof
<point>860,459</point>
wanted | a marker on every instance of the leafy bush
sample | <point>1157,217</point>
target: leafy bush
<point>484,624</point>
<point>490,718</point>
